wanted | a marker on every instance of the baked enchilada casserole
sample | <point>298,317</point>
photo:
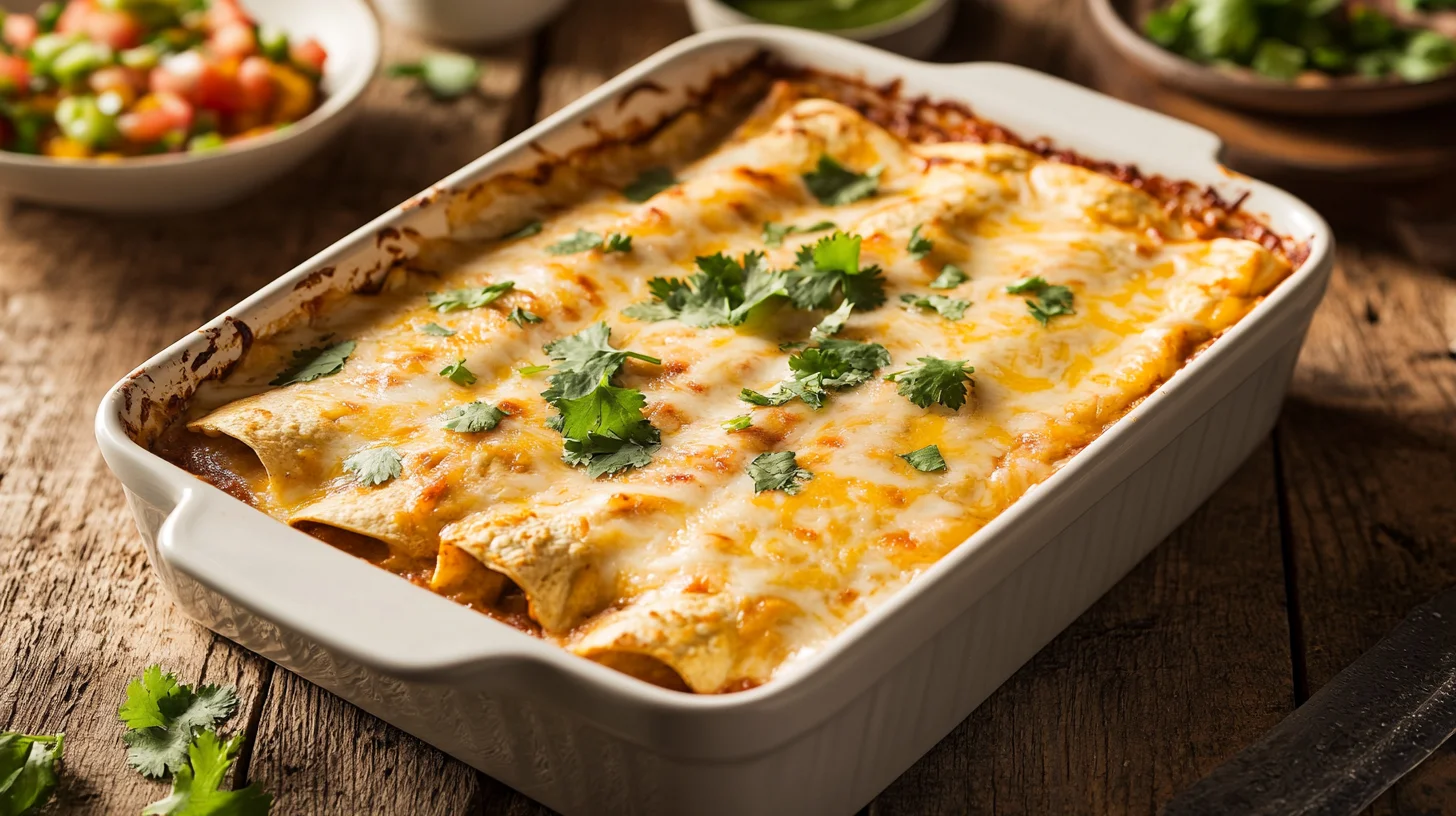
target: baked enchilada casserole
<point>690,401</point>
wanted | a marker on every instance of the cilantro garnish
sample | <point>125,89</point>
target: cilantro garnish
<point>777,471</point>
<point>445,76</point>
<point>948,307</point>
<point>472,298</point>
<point>722,293</point>
<point>834,184</point>
<point>457,373</point>
<point>436,330</point>
<point>530,228</point>
<point>925,460</point>
<point>28,770</point>
<point>162,716</point>
<point>833,365</point>
<point>521,317</point>
<point>581,241</point>
<point>830,265</point>
<point>311,363</point>
<point>1050,302</point>
<point>919,246</point>
<point>603,425</point>
<point>617,242</point>
<point>196,787</point>
<point>833,323</point>
<point>649,183</point>
<point>374,466</point>
<point>532,370</point>
<point>934,380</point>
<point>738,423</point>
<point>950,277</point>
<point>474,417</point>
<point>774,234</point>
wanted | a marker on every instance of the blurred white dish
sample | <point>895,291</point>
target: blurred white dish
<point>916,33</point>
<point>190,181</point>
<point>470,22</point>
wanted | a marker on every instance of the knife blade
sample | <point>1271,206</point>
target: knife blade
<point>1368,727</point>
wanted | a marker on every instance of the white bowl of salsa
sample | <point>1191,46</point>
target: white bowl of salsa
<point>915,28</point>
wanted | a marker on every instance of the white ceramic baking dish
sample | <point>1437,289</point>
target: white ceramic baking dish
<point>829,734</point>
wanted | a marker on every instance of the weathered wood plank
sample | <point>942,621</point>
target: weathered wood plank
<point>1177,668</point>
<point>1368,447</point>
<point>597,40</point>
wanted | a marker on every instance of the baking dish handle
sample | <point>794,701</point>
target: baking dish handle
<point>309,590</point>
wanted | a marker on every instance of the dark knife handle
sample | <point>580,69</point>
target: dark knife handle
<point>1368,727</point>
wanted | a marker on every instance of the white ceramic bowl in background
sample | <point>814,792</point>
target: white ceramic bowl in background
<point>471,22</point>
<point>192,181</point>
<point>917,33</point>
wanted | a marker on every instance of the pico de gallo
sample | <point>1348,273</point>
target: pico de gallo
<point>118,78</point>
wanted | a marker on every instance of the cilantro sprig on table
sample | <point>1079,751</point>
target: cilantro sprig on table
<point>470,298</point>
<point>28,773</point>
<point>721,293</point>
<point>311,363</point>
<point>1049,301</point>
<point>934,381</point>
<point>445,76</point>
<point>777,471</point>
<point>602,424</point>
<point>833,365</point>
<point>833,184</point>
<point>830,267</point>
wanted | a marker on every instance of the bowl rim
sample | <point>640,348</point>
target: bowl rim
<point>335,103</point>
<point>916,15</point>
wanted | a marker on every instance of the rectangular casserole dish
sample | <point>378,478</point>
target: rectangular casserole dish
<point>827,735</point>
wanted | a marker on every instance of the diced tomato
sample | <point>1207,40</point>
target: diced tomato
<point>218,89</point>
<point>310,54</point>
<point>234,41</point>
<point>14,74</point>
<point>73,17</point>
<point>117,29</point>
<point>179,109</point>
<point>178,74</point>
<point>125,81</point>
<point>255,79</point>
<point>154,117</point>
<point>20,30</point>
<point>223,13</point>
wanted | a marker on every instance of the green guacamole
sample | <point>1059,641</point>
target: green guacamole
<point>825,14</point>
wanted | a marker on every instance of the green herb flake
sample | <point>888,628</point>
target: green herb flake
<point>162,716</point>
<point>474,417</point>
<point>934,381</point>
<point>948,307</point>
<point>436,330</point>
<point>774,234</point>
<point>919,246</point>
<point>833,365</point>
<point>532,370</point>
<point>925,460</point>
<point>580,241</point>
<point>722,293</point>
<point>649,183</point>
<point>950,277</point>
<point>531,228</point>
<point>471,298</point>
<point>584,360</point>
<point>777,471</point>
<point>374,466</point>
<point>521,317</point>
<point>617,242</point>
<point>829,267</point>
<point>311,363</point>
<point>602,425</point>
<point>738,423</point>
<point>832,324</point>
<point>457,373</point>
<point>1050,301</point>
<point>445,76</point>
<point>834,185</point>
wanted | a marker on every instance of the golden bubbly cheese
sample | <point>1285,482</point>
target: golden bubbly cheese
<point>677,571</point>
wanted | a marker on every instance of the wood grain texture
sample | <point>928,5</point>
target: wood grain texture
<point>1368,445</point>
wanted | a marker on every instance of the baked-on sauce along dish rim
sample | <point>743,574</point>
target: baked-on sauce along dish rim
<point>1296,251</point>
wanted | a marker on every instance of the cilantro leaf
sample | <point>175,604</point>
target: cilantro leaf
<point>925,460</point>
<point>738,423</point>
<point>934,380</point>
<point>584,360</point>
<point>834,184</point>
<point>919,246</point>
<point>1051,301</point>
<point>950,277</point>
<point>374,466</point>
<point>832,324</point>
<point>472,298</point>
<point>311,363</point>
<point>830,265</point>
<point>949,308</point>
<point>722,293</point>
<point>28,770</point>
<point>532,370</point>
<point>606,455</point>
<point>445,76</point>
<point>436,330</point>
<point>521,317</point>
<point>457,373</point>
<point>162,715</point>
<point>774,234</point>
<point>580,241</point>
<point>196,785</point>
<point>526,231</point>
<point>474,417</point>
<point>832,365</point>
<point>617,242</point>
<point>649,183</point>
<point>777,471</point>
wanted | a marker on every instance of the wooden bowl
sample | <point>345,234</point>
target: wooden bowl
<point>1120,22</point>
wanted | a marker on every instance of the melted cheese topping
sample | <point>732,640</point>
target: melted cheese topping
<point>678,572</point>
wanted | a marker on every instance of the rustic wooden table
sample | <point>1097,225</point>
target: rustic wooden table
<point>1324,539</point>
